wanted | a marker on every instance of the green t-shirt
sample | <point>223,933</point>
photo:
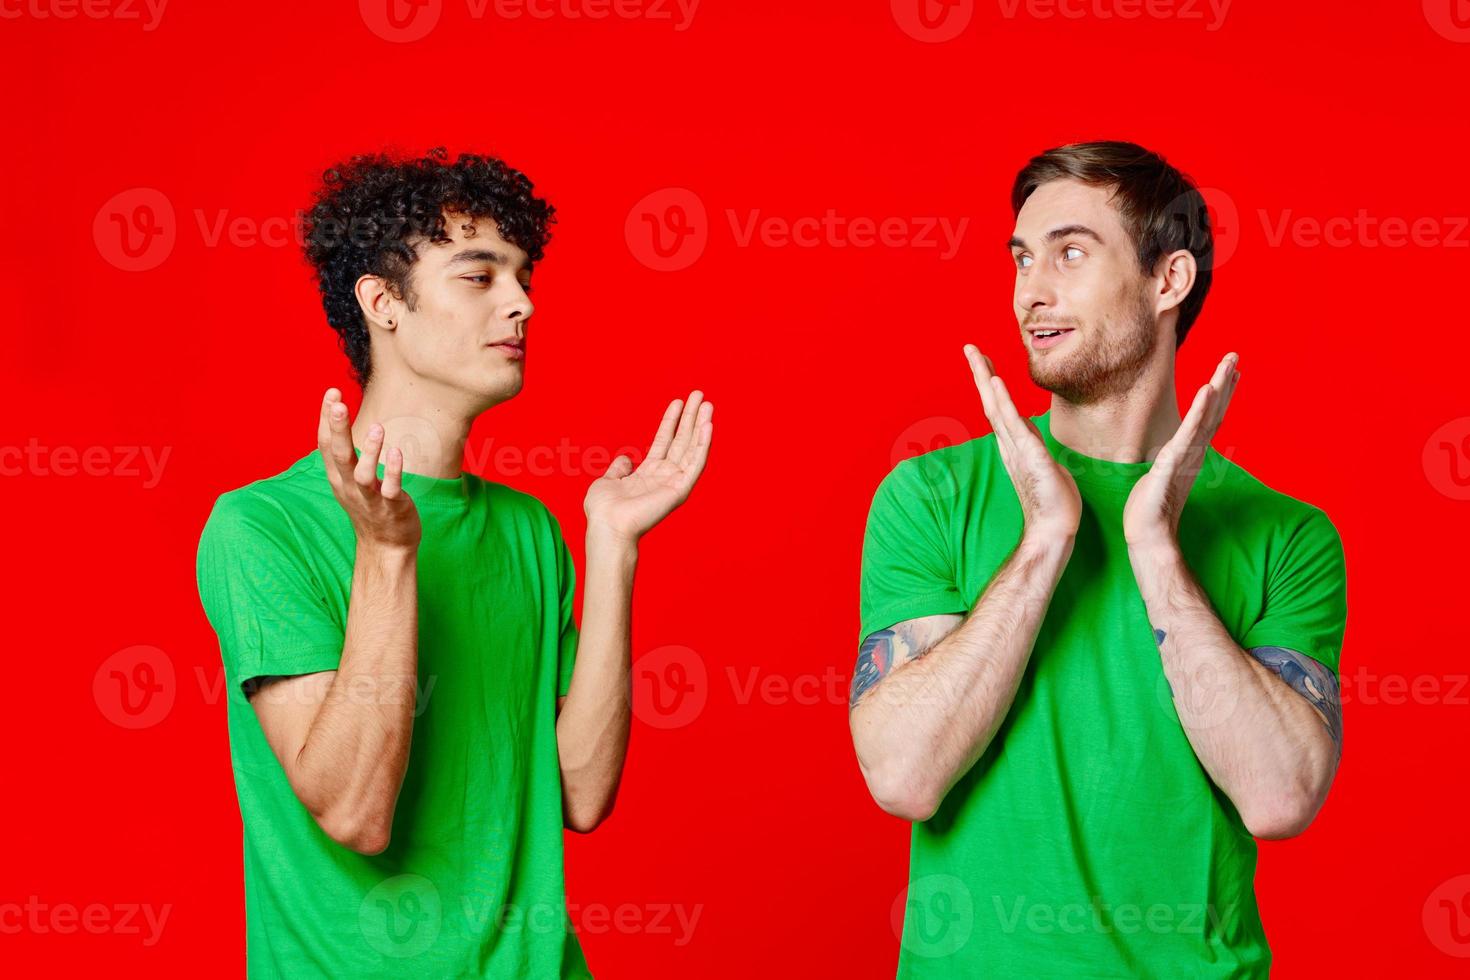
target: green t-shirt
<point>471,883</point>
<point>1088,841</point>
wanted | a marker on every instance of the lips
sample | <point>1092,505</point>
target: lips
<point>513,348</point>
<point>1044,337</point>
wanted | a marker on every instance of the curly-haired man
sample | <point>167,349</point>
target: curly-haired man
<point>413,713</point>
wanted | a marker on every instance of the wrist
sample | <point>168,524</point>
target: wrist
<point>606,541</point>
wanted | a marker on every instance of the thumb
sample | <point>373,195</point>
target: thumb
<point>619,467</point>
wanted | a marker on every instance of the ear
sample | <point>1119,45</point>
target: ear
<point>380,308</point>
<point>1176,274</point>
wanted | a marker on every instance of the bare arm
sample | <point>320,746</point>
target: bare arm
<point>945,690</point>
<point>1266,724</point>
<point>625,503</point>
<point>1271,746</point>
<point>343,736</point>
<point>929,694</point>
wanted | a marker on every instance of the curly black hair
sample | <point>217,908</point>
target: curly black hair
<point>372,210</point>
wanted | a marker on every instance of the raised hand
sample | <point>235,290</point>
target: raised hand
<point>382,513</point>
<point>1151,515</point>
<point>628,502</point>
<point>1050,503</point>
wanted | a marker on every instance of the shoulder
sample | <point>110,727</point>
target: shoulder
<point>518,507</point>
<point>939,473</point>
<point>1247,501</point>
<point>266,507</point>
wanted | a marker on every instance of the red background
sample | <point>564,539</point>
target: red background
<point>819,359</point>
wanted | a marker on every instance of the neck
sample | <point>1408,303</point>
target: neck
<point>1128,426</point>
<point>427,424</point>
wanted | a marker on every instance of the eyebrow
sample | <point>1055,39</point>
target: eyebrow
<point>1065,231</point>
<point>473,255</point>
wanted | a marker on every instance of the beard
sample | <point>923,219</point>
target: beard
<point>1104,365</point>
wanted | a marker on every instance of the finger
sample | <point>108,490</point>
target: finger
<point>340,441</point>
<point>698,454</point>
<point>366,471</point>
<point>980,368</point>
<point>1189,428</point>
<point>619,468</point>
<point>393,474</point>
<point>665,434</point>
<point>324,434</point>
<point>684,434</point>
<point>1015,428</point>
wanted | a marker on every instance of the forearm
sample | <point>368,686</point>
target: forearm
<point>922,728</point>
<point>350,767</point>
<point>592,728</point>
<point>1260,742</point>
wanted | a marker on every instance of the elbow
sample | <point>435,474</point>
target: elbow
<point>363,835</point>
<point>1279,819</point>
<point>901,793</point>
<point>585,819</point>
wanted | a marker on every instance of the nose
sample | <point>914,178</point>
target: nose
<point>1035,291</point>
<point>517,306</point>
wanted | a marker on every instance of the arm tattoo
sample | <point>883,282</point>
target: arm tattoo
<point>884,651</point>
<point>1311,680</point>
<point>875,660</point>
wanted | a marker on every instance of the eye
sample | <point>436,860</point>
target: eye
<point>1024,261</point>
<point>1072,252</point>
<point>478,278</point>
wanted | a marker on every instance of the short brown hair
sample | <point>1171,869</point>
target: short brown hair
<point>1161,207</point>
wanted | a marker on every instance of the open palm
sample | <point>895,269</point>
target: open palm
<point>629,501</point>
<point>1157,500</point>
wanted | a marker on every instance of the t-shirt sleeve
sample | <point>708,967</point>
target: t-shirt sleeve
<point>566,648</point>
<point>907,569</point>
<point>1306,595</point>
<point>260,596</point>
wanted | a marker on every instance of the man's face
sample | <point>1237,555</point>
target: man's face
<point>1077,272</point>
<point>469,310</point>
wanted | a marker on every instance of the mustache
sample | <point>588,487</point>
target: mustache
<point>1046,320</point>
